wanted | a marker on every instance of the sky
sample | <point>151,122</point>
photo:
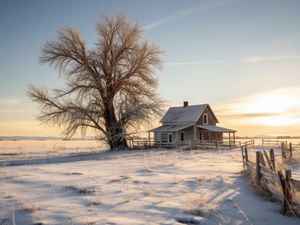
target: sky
<point>242,57</point>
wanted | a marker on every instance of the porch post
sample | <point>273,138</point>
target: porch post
<point>195,132</point>
<point>233,138</point>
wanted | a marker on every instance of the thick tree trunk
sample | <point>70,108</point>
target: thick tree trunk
<point>116,139</point>
<point>120,144</point>
<point>114,131</point>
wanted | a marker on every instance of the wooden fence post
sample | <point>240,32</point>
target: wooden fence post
<point>272,158</point>
<point>262,160</point>
<point>243,157</point>
<point>258,174</point>
<point>283,150</point>
<point>262,141</point>
<point>288,191</point>
<point>282,182</point>
<point>291,149</point>
<point>268,160</point>
<point>246,154</point>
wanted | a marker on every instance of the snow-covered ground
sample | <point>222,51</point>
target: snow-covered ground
<point>135,187</point>
<point>20,149</point>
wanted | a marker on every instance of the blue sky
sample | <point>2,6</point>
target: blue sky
<point>221,52</point>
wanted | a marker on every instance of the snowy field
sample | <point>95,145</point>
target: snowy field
<point>135,187</point>
<point>20,149</point>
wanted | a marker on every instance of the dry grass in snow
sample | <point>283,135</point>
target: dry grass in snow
<point>136,187</point>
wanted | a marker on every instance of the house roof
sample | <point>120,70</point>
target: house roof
<point>171,127</point>
<point>216,129</point>
<point>189,114</point>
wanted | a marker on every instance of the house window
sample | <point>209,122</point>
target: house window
<point>181,136</point>
<point>170,137</point>
<point>205,119</point>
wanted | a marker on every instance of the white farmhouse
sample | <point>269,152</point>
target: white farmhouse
<point>190,122</point>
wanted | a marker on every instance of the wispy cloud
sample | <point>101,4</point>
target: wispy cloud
<point>9,101</point>
<point>203,6</point>
<point>269,58</point>
<point>193,63</point>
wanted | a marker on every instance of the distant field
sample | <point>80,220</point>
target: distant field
<point>36,148</point>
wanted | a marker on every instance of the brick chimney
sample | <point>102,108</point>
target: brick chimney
<point>185,104</point>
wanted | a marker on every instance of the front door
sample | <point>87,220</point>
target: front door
<point>200,136</point>
<point>169,138</point>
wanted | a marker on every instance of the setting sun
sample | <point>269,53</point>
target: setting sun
<point>271,112</point>
<point>273,103</point>
<point>276,101</point>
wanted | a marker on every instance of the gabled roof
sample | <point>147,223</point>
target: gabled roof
<point>189,114</point>
<point>171,127</point>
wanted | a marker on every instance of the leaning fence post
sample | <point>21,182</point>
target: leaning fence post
<point>268,159</point>
<point>272,158</point>
<point>258,174</point>
<point>282,182</point>
<point>261,159</point>
<point>286,189</point>
<point>288,192</point>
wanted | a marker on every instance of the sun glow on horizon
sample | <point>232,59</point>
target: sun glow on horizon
<point>272,102</point>
<point>275,108</point>
<point>275,104</point>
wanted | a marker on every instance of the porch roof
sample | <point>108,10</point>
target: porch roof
<point>171,127</point>
<point>216,129</point>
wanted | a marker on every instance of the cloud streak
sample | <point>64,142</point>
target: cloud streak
<point>256,59</point>
<point>9,101</point>
<point>187,12</point>
<point>193,63</point>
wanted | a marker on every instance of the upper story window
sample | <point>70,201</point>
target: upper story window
<point>205,119</point>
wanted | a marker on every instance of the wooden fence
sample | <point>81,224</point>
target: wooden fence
<point>278,142</point>
<point>277,182</point>
<point>272,142</point>
<point>187,144</point>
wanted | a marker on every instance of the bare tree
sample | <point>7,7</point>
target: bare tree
<point>110,88</point>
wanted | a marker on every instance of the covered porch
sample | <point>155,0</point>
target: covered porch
<point>174,133</point>
<point>215,133</point>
